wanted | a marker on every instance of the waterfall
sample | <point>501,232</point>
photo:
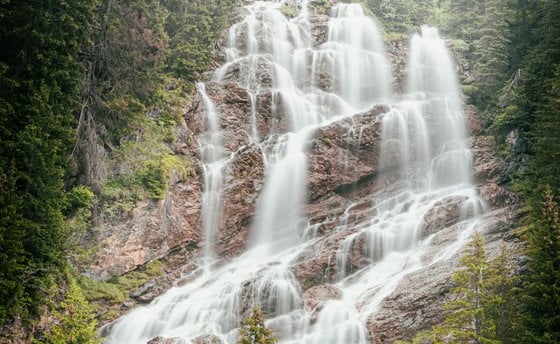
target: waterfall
<point>215,161</point>
<point>425,161</point>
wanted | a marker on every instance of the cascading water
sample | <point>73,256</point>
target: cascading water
<point>215,161</point>
<point>424,161</point>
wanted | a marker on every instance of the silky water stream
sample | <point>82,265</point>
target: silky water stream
<point>424,156</point>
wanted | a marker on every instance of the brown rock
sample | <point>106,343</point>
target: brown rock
<point>244,180</point>
<point>161,340</point>
<point>319,29</point>
<point>207,339</point>
<point>319,294</point>
<point>486,165</point>
<point>444,213</point>
<point>496,195</point>
<point>416,304</point>
<point>474,124</point>
<point>150,231</point>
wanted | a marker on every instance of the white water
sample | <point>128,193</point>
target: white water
<point>215,160</point>
<point>424,157</point>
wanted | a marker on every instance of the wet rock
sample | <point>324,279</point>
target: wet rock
<point>444,213</point>
<point>319,29</point>
<point>244,180</point>
<point>318,264</point>
<point>207,339</point>
<point>330,167</point>
<point>486,165</point>
<point>397,52</point>
<point>359,135</point>
<point>321,293</point>
<point>162,340</point>
<point>344,153</point>
<point>497,196</point>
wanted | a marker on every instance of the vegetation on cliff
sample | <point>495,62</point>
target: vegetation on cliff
<point>483,307</point>
<point>92,90</point>
<point>253,329</point>
<point>90,93</point>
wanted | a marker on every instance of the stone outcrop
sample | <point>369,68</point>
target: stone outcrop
<point>318,294</point>
<point>444,213</point>
<point>150,231</point>
<point>244,180</point>
<point>207,339</point>
<point>414,305</point>
<point>161,340</point>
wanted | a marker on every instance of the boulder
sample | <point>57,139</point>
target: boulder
<point>444,213</point>
<point>162,340</point>
<point>319,294</point>
<point>207,339</point>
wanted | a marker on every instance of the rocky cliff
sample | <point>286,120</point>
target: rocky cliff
<point>344,172</point>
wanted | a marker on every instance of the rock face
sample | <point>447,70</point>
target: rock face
<point>412,306</point>
<point>343,174</point>
<point>151,230</point>
<point>161,340</point>
<point>318,294</point>
<point>444,214</point>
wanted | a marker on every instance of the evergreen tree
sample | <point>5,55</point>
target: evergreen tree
<point>501,304</point>
<point>253,330</point>
<point>193,27</point>
<point>40,79</point>
<point>490,50</point>
<point>468,320</point>
<point>75,322</point>
<point>541,322</point>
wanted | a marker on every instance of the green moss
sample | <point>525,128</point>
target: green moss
<point>118,288</point>
<point>321,7</point>
<point>327,141</point>
<point>110,315</point>
<point>144,162</point>
<point>460,46</point>
<point>96,290</point>
<point>469,90</point>
<point>134,279</point>
<point>156,172</point>
<point>396,37</point>
<point>290,11</point>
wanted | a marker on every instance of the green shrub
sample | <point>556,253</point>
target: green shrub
<point>76,320</point>
<point>79,197</point>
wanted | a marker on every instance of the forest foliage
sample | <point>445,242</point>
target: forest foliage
<point>91,91</point>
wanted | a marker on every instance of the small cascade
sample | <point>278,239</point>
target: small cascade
<point>215,160</point>
<point>357,57</point>
<point>424,166</point>
<point>433,87</point>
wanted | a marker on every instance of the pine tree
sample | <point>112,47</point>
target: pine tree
<point>253,330</point>
<point>76,320</point>
<point>501,304</point>
<point>40,80</point>
<point>541,322</point>
<point>467,320</point>
<point>490,49</point>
